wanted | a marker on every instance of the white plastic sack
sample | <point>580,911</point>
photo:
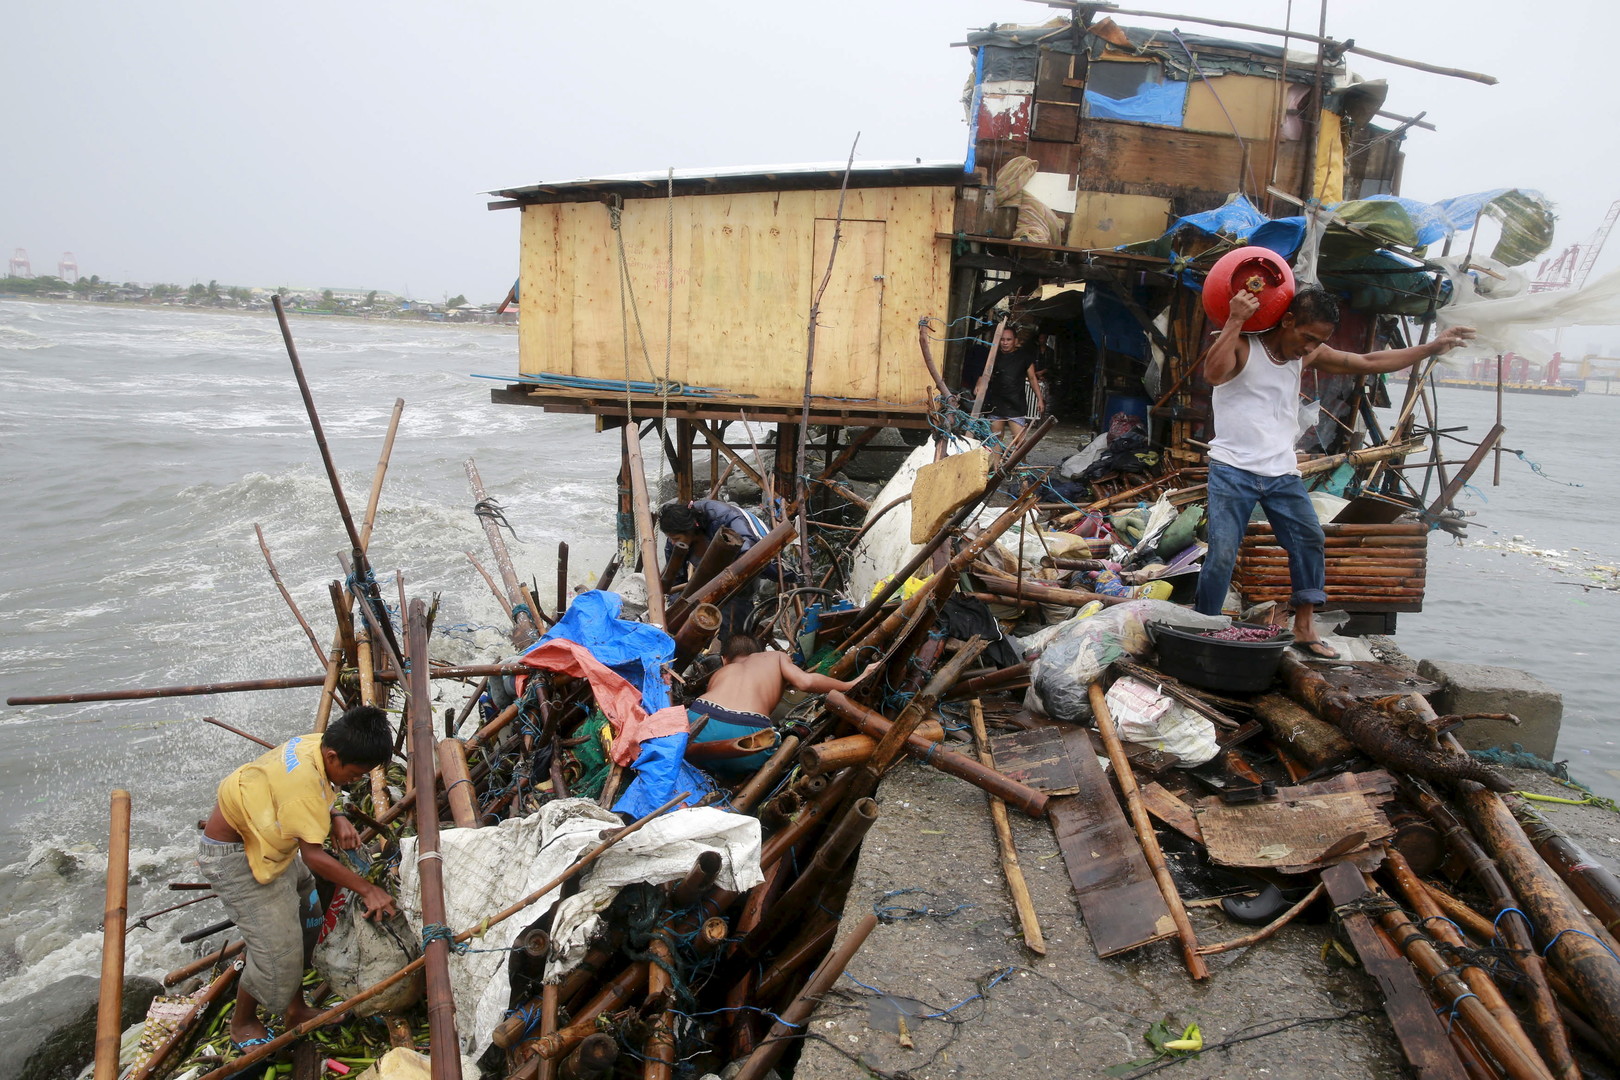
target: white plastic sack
<point>1151,718</point>
<point>888,547</point>
<point>488,869</point>
<point>1076,652</point>
<point>359,953</point>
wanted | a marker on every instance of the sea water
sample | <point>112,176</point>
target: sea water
<point>140,446</point>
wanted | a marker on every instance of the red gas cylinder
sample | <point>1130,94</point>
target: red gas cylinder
<point>1259,270</point>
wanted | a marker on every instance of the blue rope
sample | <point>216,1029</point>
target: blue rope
<point>1535,468</point>
<point>1582,933</point>
<point>524,608</point>
<point>1496,921</point>
<point>432,932</point>
<point>1451,1017</point>
<point>941,1014</point>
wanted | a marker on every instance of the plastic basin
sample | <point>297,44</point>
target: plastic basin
<point>1244,666</point>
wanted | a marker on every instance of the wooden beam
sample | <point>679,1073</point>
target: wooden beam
<point>646,534</point>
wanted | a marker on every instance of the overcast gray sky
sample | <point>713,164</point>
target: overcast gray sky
<point>346,145</point>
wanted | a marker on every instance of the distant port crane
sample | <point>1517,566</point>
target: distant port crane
<point>19,267</point>
<point>67,268</point>
<point>1570,268</point>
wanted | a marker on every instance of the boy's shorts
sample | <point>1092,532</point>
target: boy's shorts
<point>270,917</point>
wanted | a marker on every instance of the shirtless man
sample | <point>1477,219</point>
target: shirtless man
<point>748,686</point>
<point>1251,460</point>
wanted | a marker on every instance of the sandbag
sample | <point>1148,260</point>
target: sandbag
<point>358,953</point>
<point>1145,716</point>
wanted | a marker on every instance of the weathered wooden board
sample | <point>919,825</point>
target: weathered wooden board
<point>1038,758</point>
<point>944,487</point>
<point>1120,902</point>
<point>1102,220</point>
<point>1139,159</point>
<point>738,290</point>
<point>1287,835</point>
<point>1250,100</point>
<point>1164,805</point>
<point>1422,1036</point>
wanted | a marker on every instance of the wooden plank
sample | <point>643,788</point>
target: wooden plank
<point>1137,159</point>
<point>1422,1037</point>
<point>1288,835</point>
<point>545,322</point>
<point>1103,220</point>
<point>944,487</point>
<point>1250,101</point>
<point>1164,805</point>
<point>1120,902</point>
<point>849,328</point>
<point>1036,757</point>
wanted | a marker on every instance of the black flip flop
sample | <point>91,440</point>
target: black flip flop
<point>1309,648</point>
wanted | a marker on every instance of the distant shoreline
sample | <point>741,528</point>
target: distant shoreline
<point>439,324</point>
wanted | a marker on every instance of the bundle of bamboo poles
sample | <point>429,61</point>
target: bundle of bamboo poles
<point>1367,565</point>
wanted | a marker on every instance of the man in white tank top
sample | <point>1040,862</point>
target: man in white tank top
<point>1251,459</point>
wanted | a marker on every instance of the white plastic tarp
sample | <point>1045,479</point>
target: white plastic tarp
<point>887,546</point>
<point>489,869</point>
<point>1511,325</point>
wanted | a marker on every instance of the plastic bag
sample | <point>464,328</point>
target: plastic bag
<point>359,953</point>
<point>1146,716</point>
<point>1075,653</point>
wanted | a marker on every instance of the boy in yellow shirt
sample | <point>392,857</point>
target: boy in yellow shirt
<point>266,835</point>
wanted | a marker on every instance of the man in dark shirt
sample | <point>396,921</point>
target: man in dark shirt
<point>692,525</point>
<point>1004,399</point>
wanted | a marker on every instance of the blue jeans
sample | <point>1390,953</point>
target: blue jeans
<point>1233,494</point>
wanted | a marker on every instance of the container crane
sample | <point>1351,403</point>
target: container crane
<point>1570,269</point>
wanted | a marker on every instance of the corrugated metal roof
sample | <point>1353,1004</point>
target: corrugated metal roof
<point>736,178</point>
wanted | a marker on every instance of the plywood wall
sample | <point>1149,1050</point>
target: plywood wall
<point>737,292</point>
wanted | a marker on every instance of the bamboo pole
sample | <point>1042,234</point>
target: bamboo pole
<point>1316,39</point>
<point>1126,778</point>
<point>1023,903</point>
<point>381,471</point>
<point>1435,924</point>
<point>371,601</point>
<point>647,535</point>
<point>793,1018</point>
<point>181,974</point>
<point>745,569</point>
<point>292,605</point>
<point>1553,1038</point>
<point>458,787</point>
<point>441,1007</point>
<point>266,743</point>
<point>110,1003</point>
<point>259,1053</point>
<point>524,630</point>
<point>1588,879</point>
<point>1027,799</point>
<point>1588,966</point>
<point>1265,931</point>
<point>1519,1062</point>
<point>292,682</point>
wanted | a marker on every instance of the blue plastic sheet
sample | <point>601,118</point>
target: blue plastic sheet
<point>1155,103</point>
<point>1112,325</point>
<point>636,651</point>
<point>661,774</point>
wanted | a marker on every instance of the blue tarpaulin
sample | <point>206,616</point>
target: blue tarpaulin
<point>1154,103</point>
<point>661,774</point>
<point>635,651</point>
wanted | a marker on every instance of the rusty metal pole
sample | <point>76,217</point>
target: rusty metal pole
<point>441,1006</point>
<point>110,1005</point>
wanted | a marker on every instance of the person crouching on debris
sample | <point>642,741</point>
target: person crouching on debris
<point>689,527</point>
<point>1251,459</point>
<point>263,840</point>
<point>746,689</point>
